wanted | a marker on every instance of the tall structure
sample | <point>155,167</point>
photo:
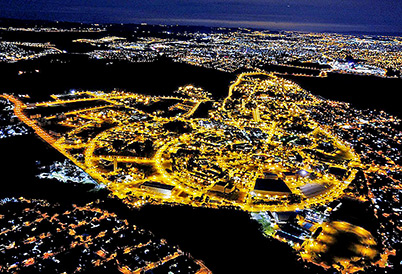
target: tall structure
<point>256,115</point>
<point>115,164</point>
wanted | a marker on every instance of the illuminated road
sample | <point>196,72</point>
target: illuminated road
<point>257,104</point>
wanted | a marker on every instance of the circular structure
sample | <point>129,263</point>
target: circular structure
<point>259,150</point>
<point>343,246</point>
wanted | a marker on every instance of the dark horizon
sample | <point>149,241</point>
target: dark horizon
<point>44,21</point>
<point>371,16</point>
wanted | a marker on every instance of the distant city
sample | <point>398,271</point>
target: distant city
<point>298,131</point>
<point>227,49</point>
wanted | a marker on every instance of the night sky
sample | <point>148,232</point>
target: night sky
<point>305,15</point>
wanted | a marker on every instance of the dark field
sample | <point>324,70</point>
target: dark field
<point>361,91</point>
<point>60,73</point>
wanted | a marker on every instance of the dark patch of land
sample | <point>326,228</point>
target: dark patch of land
<point>62,72</point>
<point>21,156</point>
<point>290,69</point>
<point>359,90</point>
<point>225,239</point>
<point>357,213</point>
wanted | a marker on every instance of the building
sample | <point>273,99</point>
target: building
<point>290,175</point>
<point>269,187</point>
<point>270,175</point>
<point>158,188</point>
<point>340,173</point>
<point>256,115</point>
<point>313,189</point>
<point>223,187</point>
